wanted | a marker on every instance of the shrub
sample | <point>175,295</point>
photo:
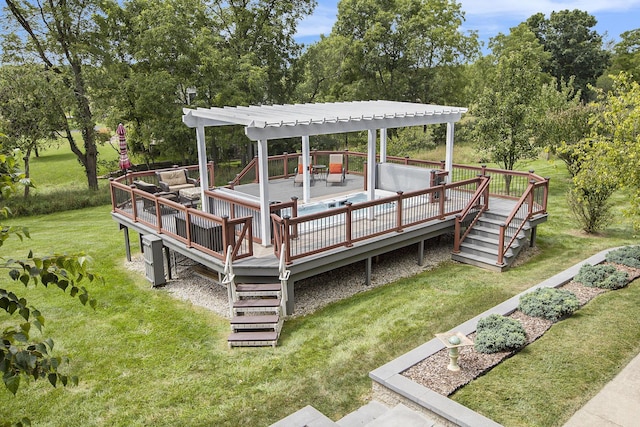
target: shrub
<point>601,276</point>
<point>498,333</point>
<point>616,280</point>
<point>549,303</point>
<point>629,256</point>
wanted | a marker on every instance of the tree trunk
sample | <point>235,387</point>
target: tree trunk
<point>26,158</point>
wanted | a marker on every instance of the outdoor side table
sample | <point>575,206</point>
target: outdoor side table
<point>321,171</point>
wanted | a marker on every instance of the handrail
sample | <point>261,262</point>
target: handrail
<point>252,165</point>
<point>474,203</point>
<point>528,198</point>
<point>229,279</point>
<point>283,276</point>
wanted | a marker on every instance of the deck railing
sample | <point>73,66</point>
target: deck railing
<point>469,216</point>
<point>532,202</point>
<point>205,232</point>
<point>240,219</point>
<point>353,222</point>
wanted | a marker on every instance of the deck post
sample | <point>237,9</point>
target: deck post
<point>368,271</point>
<point>421,253</point>
<point>127,245</point>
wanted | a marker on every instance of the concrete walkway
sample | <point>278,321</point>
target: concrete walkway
<point>616,405</point>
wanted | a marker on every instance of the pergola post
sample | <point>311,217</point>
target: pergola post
<point>306,181</point>
<point>371,170</point>
<point>202,165</point>
<point>383,145</point>
<point>265,214</point>
<point>448,161</point>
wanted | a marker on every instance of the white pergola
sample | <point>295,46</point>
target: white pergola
<point>267,122</point>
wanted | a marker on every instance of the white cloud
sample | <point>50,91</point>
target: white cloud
<point>321,22</point>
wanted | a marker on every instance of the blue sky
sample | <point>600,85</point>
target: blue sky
<point>492,17</point>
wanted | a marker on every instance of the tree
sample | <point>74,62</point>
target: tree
<point>576,49</point>
<point>625,58</point>
<point>616,138</point>
<point>506,109</point>
<point>402,49</point>
<point>28,99</point>
<point>21,355</point>
<point>177,53</point>
<point>61,36</point>
<point>563,123</point>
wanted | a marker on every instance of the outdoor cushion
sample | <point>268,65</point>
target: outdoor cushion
<point>335,168</point>
<point>172,178</point>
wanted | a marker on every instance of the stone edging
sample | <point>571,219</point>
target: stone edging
<point>390,387</point>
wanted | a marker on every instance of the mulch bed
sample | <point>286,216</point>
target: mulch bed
<point>432,372</point>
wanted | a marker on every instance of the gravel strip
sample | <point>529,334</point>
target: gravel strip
<point>313,293</point>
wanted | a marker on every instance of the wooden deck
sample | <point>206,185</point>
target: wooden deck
<point>263,265</point>
<point>318,242</point>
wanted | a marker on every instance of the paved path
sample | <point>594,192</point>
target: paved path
<point>616,405</point>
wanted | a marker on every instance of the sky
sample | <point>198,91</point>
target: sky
<point>496,16</point>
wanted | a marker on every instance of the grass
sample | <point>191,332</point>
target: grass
<point>144,358</point>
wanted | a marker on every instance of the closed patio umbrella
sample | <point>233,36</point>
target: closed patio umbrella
<point>125,163</point>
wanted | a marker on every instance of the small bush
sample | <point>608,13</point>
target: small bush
<point>616,280</point>
<point>498,333</point>
<point>549,303</point>
<point>601,276</point>
<point>629,256</point>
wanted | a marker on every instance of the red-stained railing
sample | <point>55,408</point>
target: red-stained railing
<point>208,233</point>
<point>239,216</point>
<point>354,222</point>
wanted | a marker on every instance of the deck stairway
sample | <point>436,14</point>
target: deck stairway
<point>256,314</point>
<point>257,309</point>
<point>373,414</point>
<point>480,248</point>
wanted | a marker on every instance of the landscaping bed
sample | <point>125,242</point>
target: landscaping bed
<point>420,379</point>
<point>432,372</point>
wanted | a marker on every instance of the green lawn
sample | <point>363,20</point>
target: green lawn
<point>144,358</point>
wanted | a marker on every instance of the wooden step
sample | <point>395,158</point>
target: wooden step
<point>257,302</point>
<point>253,339</point>
<point>247,320</point>
<point>257,287</point>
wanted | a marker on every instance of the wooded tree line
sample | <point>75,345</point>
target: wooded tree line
<point>68,65</point>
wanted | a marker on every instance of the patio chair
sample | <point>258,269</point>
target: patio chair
<point>335,174</point>
<point>155,190</point>
<point>172,181</point>
<point>299,178</point>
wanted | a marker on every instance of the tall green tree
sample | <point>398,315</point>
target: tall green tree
<point>177,53</point>
<point>60,35</point>
<point>402,49</point>
<point>576,48</point>
<point>563,124</point>
<point>625,58</point>
<point>616,138</point>
<point>506,109</point>
<point>29,99</point>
